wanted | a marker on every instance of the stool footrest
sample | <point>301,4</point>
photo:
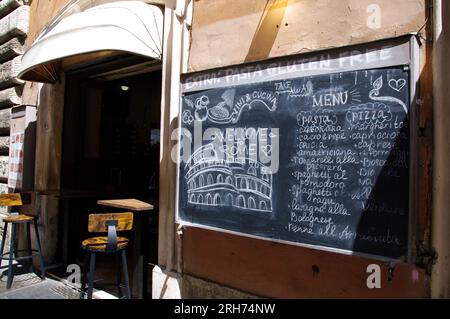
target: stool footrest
<point>15,254</point>
<point>33,253</point>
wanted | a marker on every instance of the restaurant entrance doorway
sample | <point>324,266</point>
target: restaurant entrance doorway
<point>110,150</point>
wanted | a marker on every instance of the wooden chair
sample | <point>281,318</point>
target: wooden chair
<point>19,219</point>
<point>111,224</point>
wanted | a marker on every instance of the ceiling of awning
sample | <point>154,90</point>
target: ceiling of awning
<point>130,27</point>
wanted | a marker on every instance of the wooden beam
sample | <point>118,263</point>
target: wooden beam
<point>49,138</point>
<point>4,145</point>
<point>11,49</point>
<point>4,168</point>
<point>5,121</point>
<point>8,73</point>
<point>14,24</point>
<point>11,97</point>
<point>7,6</point>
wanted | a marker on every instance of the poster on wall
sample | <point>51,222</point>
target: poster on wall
<point>310,154</point>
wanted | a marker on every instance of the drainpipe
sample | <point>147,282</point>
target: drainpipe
<point>440,278</point>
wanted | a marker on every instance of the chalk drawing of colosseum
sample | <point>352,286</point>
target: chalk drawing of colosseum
<point>243,184</point>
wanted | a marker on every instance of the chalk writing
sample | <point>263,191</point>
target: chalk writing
<point>343,177</point>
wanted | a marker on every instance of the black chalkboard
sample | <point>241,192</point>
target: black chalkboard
<point>342,179</point>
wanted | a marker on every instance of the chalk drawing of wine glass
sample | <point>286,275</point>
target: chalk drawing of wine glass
<point>307,90</point>
<point>375,92</point>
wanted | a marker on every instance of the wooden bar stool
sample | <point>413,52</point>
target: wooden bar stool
<point>111,244</point>
<point>19,219</point>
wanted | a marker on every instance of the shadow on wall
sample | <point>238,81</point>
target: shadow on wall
<point>267,30</point>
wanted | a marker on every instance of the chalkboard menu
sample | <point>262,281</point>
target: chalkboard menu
<point>321,160</point>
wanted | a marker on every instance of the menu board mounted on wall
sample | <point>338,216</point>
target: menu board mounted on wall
<point>314,151</point>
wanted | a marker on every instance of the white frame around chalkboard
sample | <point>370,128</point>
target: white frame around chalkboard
<point>406,54</point>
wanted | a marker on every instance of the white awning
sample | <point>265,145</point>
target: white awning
<point>119,27</point>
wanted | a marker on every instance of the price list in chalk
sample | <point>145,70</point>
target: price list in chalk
<point>348,173</point>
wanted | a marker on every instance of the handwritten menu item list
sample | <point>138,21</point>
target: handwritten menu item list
<point>342,179</point>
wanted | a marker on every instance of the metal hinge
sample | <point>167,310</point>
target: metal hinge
<point>426,258</point>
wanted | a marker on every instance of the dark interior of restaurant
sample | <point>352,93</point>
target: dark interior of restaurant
<point>111,144</point>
